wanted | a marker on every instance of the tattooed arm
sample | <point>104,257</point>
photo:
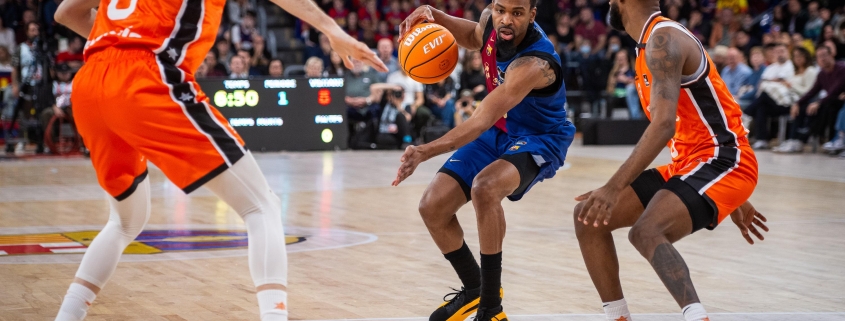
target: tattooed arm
<point>666,54</point>
<point>467,33</point>
<point>521,80</point>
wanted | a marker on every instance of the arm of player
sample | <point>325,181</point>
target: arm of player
<point>665,59</point>
<point>340,41</point>
<point>77,15</point>
<point>522,79</point>
<point>467,33</point>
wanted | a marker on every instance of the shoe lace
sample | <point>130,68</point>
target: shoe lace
<point>455,296</point>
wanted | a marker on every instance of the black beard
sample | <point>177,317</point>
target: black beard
<point>615,18</point>
<point>505,48</point>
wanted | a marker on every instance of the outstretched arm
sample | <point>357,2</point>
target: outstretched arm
<point>665,58</point>
<point>346,46</point>
<point>77,15</point>
<point>467,33</point>
<point>522,79</point>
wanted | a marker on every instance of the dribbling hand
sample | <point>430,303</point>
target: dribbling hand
<point>423,13</point>
<point>348,48</point>
<point>410,160</point>
<point>745,217</point>
<point>598,206</point>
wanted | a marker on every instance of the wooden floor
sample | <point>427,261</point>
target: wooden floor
<point>360,251</point>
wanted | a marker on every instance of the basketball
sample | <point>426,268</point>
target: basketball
<point>428,53</point>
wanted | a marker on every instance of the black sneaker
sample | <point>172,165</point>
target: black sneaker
<point>495,314</point>
<point>462,304</point>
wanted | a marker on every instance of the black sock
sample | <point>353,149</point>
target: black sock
<point>491,280</point>
<point>464,263</point>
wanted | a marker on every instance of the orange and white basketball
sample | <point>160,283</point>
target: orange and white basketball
<point>428,53</point>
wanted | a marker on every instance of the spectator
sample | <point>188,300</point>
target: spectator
<point>736,73</point>
<point>359,100</point>
<point>593,75</point>
<point>314,68</point>
<point>249,58</point>
<point>674,13</point>
<point>813,28</point>
<point>698,28</point>
<point>215,68</point>
<point>336,67</point>
<point>368,13</point>
<point>202,70</point>
<point>748,90</point>
<point>73,56</point>
<point>797,18</point>
<point>383,32</point>
<point>21,33</point>
<point>819,117</point>
<point>339,13</point>
<point>6,69</point>
<point>779,93</point>
<point>412,89</point>
<point>276,68</point>
<point>565,34</point>
<point>722,34</point>
<point>239,68</point>
<point>799,41</point>
<point>353,27</point>
<point>260,56</point>
<point>620,84</point>
<point>719,55</point>
<point>592,30</point>
<point>237,10</point>
<point>742,41</point>
<point>243,33</point>
<point>61,96</point>
<point>385,53</point>
<point>394,16</point>
<point>736,6</point>
<point>472,78</point>
<point>224,53</point>
<point>27,77</point>
<point>7,37</point>
<point>464,106</point>
<point>440,100</point>
<point>394,129</point>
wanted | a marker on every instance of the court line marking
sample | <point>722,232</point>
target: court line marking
<point>602,315</point>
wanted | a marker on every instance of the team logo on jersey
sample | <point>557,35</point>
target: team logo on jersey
<point>645,79</point>
<point>162,242</point>
<point>521,143</point>
<point>486,69</point>
<point>489,49</point>
<point>514,148</point>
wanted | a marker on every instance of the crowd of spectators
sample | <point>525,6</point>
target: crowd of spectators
<point>778,58</point>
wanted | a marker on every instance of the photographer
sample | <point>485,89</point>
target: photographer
<point>465,106</point>
<point>394,130</point>
<point>61,92</point>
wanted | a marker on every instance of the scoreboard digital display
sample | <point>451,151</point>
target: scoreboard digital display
<point>274,114</point>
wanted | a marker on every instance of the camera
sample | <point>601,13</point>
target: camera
<point>398,94</point>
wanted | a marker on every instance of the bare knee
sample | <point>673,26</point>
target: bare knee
<point>645,238</point>
<point>485,190</point>
<point>432,212</point>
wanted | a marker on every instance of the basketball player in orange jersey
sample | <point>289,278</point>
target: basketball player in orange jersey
<point>136,100</point>
<point>712,174</point>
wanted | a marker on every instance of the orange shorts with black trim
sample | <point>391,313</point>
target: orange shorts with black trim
<point>725,176</point>
<point>131,107</point>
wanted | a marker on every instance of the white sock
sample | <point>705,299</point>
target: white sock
<point>616,310</point>
<point>76,303</point>
<point>695,312</point>
<point>273,305</point>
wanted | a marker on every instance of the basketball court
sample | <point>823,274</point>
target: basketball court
<point>358,249</point>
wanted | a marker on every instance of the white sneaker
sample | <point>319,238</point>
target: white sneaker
<point>760,144</point>
<point>790,147</point>
<point>834,145</point>
<point>782,147</point>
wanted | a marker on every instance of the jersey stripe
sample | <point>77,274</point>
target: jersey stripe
<point>169,56</point>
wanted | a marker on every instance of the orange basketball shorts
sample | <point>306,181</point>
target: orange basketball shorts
<point>725,175</point>
<point>131,107</point>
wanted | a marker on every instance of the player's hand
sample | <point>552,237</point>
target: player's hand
<point>813,108</point>
<point>793,111</point>
<point>746,217</point>
<point>598,205</point>
<point>423,13</point>
<point>348,48</point>
<point>412,158</point>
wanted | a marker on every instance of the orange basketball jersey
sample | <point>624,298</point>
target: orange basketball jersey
<point>707,116</point>
<point>179,32</point>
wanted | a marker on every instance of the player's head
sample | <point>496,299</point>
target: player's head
<point>620,10</point>
<point>511,19</point>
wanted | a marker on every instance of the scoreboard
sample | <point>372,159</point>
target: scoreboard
<point>274,114</point>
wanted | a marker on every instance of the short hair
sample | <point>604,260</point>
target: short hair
<point>755,49</point>
<point>825,48</point>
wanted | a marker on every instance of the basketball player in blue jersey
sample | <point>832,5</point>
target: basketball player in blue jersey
<point>493,158</point>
